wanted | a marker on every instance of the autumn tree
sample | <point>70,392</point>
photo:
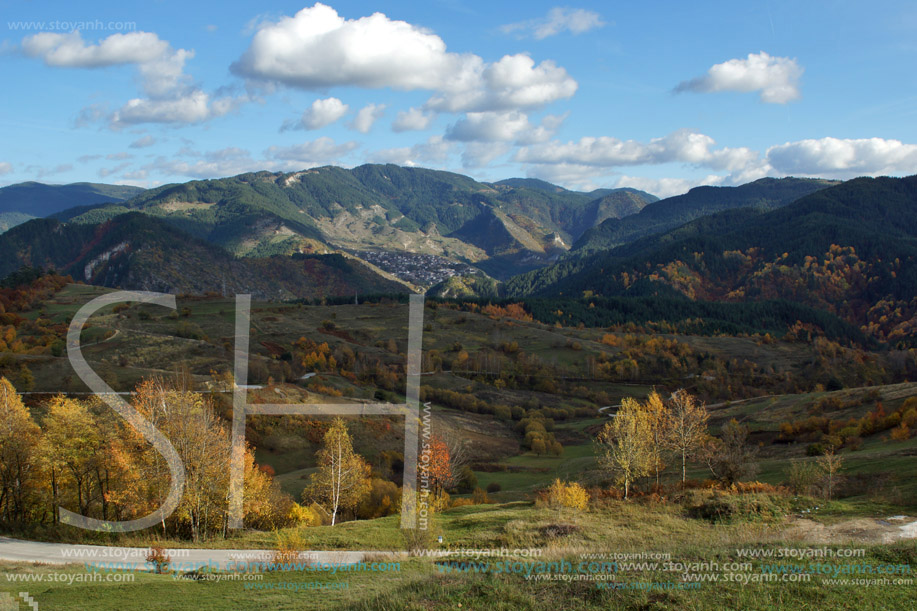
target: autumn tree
<point>687,428</point>
<point>436,465</point>
<point>19,466</point>
<point>731,457</point>
<point>342,477</point>
<point>830,465</point>
<point>657,414</point>
<point>626,443</point>
<point>71,447</point>
<point>202,441</point>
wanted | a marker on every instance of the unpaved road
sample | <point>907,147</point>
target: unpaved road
<point>134,558</point>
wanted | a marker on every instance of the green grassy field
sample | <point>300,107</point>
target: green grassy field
<point>422,583</point>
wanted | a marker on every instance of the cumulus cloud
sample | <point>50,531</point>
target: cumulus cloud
<point>512,82</point>
<point>195,107</point>
<point>321,151</point>
<point>5,168</point>
<point>414,119</point>
<point>192,108</point>
<point>367,117</point>
<point>142,143</point>
<point>169,94</point>
<point>318,49</point>
<point>685,146</point>
<point>843,158</point>
<point>323,113</point>
<point>506,126</point>
<point>666,187</point>
<point>161,67</point>
<point>776,78</point>
<point>558,19</point>
<point>434,150</point>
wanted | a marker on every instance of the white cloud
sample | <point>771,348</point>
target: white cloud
<point>143,142</point>
<point>5,168</point>
<point>434,150</point>
<point>481,154</point>
<point>195,107</point>
<point>367,117</point>
<point>323,113</point>
<point>776,78</point>
<point>666,187</point>
<point>569,175</point>
<point>70,51</point>
<point>843,158</point>
<point>321,151</point>
<point>414,119</point>
<point>170,96</point>
<point>506,126</point>
<point>558,19</point>
<point>512,82</point>
<point>318,49</point>
<point>160,66</point>
<point>229,161</point>
<point>685,146</point>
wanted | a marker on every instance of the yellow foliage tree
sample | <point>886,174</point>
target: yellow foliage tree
<point>19,464</point>
<point>342,477</point>
<point>627,443</point>
<point>563,494</point>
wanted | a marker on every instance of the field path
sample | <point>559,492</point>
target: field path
<point>134,558</point>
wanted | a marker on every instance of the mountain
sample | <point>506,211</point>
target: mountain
<point>9,220</point>
<point>666,214</point>
<point>37,199</point>
<point>135,251</point>
<point>525,222</point>
<point>850,250</point>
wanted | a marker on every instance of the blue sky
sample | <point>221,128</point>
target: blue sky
<point>662,96</point>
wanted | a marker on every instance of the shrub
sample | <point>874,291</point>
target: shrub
<point>287,547</point>
<point>159,560</point>
<point>480,497</point>
<point>562,494</point>
<point>801,476</point>
<point>302,515</point>
<point>738,508</point>
<point>494,487</point>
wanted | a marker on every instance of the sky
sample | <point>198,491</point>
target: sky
<point>660,96</point>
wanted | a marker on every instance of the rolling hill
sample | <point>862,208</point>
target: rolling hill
<point>666,214</point>
<point>135,251</point>
<point>521,222</point>
<point>8,220</point>
<point>38,200</point>
<point>850,250</point>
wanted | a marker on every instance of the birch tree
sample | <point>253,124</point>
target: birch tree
<point>687,428</point>
<point>626,443</point>
<point>657,414</point>
<point>342,477</point>
<point>19,468</point>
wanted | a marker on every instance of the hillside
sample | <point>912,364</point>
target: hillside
<point>134,251</point>
<point>37,199</point>
<point>666,214</point>
<point>850,250</point>
<point>8,220</point>
<point>380,207</point>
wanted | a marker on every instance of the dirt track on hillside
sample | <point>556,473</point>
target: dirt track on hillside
<point>858,530</point>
